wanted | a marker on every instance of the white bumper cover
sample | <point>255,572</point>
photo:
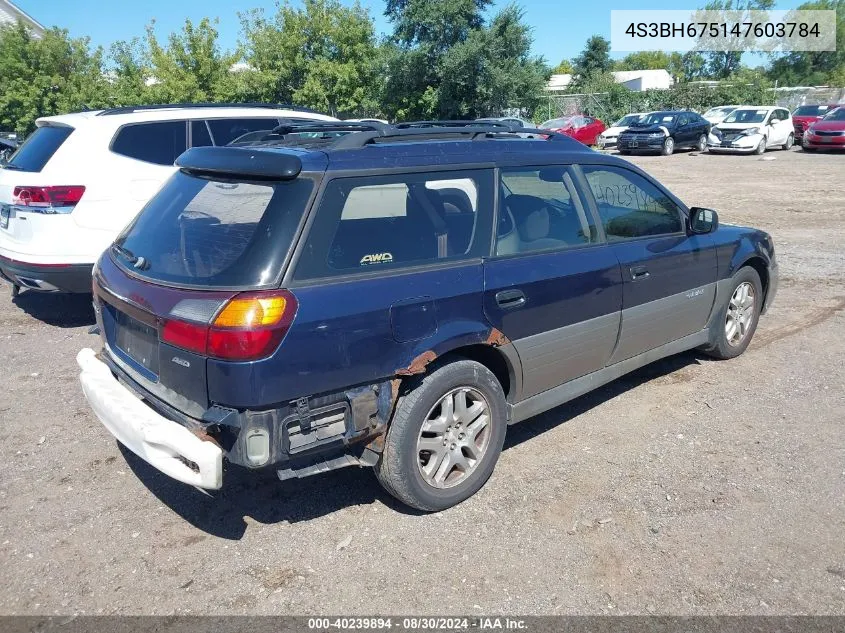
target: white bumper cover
<point>155,439</point>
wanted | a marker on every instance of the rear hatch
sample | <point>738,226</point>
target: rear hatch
<point>30,190</point>
<point>196,276</point>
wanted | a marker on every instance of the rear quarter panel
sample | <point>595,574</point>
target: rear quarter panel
<point>360,331</point>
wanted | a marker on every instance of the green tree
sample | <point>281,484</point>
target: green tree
<point>445,61</point>
<point>810,68</point>
<point>693,66</point>
<point>190,67</point>
<point>594,59</point>
<point>563,68</point>
<point>722,64</point>
<point>51,75</point>
<point>653,60</point>
<point>128,73</point>
<point>322,55</point>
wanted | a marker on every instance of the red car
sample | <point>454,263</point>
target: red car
<point>581,127</point>
<point>829,133</point>
<point>806,114</point>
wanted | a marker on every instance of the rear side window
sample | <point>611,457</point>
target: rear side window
<point>39,148</point>
<point>209,233</point>
<point>390,222</point>
<point>630,206</point>
<point>159,143</point>
<point>225,131</point>
<point>539,209</point>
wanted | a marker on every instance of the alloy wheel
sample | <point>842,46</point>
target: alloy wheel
<point>454,437</point>
<point>741,312</point>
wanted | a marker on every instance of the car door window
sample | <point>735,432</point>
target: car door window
<point>683,120</point>
<point>540,209</point>
<point>630,206</point>
<point>225,131</point>
<point>391,222</point>
<point>159,143</point>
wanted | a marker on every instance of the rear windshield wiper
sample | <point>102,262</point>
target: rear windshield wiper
<point>136,260</point>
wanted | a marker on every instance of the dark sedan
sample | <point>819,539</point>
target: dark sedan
<point>665,132</point>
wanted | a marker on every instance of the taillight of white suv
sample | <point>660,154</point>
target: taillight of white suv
<point>49,200</point>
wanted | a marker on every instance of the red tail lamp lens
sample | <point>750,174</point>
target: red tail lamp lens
<point>249,327</point>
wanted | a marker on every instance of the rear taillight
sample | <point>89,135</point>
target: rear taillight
<point>250,326</point>
<point>48,199</point>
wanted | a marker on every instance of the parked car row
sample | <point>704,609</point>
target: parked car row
<point>727,129</point>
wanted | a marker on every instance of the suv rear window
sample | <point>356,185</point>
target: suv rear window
<point>159,143</point>
<point>212,233</point>
<point>390,222</point>
<point>39,148</point>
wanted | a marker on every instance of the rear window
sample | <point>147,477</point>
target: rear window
<point>39,148</point>
<point>811,110</point>
<point>159,143</point>
<point>210,233</point>
<point>391,222</point>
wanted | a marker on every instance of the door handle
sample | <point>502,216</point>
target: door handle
<point>639,272</point>
<point>510,298</point>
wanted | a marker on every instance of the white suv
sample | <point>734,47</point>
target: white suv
<point>80,178</point>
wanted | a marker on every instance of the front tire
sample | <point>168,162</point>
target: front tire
<point>668,146</point>
<point>790,141</point>
<point>761,146</point>
<point>445,437</point>
<point>736,323</point>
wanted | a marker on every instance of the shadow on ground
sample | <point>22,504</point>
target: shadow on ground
<point>265,499</point>
<point>58,309</point>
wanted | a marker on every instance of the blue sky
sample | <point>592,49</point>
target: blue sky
<point>560,28</point>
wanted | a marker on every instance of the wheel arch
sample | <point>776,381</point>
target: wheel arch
<point>761,266</point>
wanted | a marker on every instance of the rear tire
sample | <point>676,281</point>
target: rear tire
<point>734,327</point>
<point>701,146</point>
<point>447,397</point>
<point>668,146</point>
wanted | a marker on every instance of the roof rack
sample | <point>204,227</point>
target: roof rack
<point>176,106</point>
<point>358,134</point>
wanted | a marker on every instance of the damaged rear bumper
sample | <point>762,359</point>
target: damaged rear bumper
<point>297,439</point>
<point>164,444</point>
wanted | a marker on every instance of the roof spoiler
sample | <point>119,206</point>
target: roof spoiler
<point>240,162</point>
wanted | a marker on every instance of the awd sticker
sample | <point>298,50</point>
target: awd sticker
<point>694,293</point>
<point>377,258</point>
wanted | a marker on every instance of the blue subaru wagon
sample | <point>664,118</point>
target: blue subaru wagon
<point>329,295</point>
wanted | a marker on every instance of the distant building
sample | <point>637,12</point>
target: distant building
<point>637,80</point>
<point>10,14</point>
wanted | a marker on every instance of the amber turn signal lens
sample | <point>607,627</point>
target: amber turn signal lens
<point>251,312</point>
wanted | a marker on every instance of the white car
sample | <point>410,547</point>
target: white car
<point>610,136</point>
<point>80,178</point>
<point>752,130</point>
<point>719,113</point>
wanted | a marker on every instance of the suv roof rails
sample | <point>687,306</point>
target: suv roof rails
<point>359,134</point>
<point>176,106</point>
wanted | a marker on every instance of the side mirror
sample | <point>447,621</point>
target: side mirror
<point>703,221</point>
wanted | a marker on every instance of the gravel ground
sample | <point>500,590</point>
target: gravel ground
<point>688,487</point>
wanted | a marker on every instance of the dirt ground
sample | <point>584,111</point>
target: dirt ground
<point>689,487</point>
